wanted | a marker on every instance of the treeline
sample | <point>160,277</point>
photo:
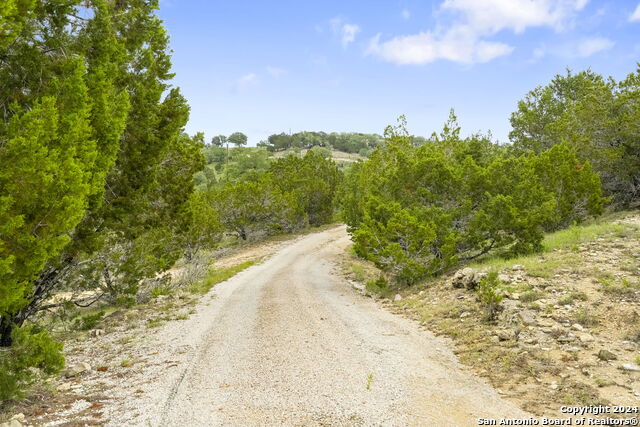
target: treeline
<point>289,194</point>
<point>361,143</point>
<point>97,187</point>
<point>416,211</point>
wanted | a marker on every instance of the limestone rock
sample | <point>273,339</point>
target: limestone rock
<point>77,369</point>
<point>630,367</point>
<point>528,317</point>
<point>465,278</point>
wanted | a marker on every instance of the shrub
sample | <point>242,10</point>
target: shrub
<point>33,352</point>
<point>417,211</point>
<point>380,286</point>
<point>489,299</point>
<point>89,321</point>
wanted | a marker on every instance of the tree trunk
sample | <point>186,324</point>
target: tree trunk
<point>6,327</point>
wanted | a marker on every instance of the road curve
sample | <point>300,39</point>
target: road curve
<point>289,342</point>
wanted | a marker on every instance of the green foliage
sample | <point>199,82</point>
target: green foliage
<point>33,352</point>
<point>89,321</point>
<point>312,180</point>
<point>238,139</point>
<point>593,116</point>
<point>98,192</point>
<point>488,297</point>
<point>416,211</point>
<point>216,276</point>
<point>346,142</point>
<point>255,209</point>
<point>13,13</point>
<point>380,286</point>
<point>160,291</point>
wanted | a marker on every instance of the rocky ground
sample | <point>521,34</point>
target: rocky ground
<point>568,329</point>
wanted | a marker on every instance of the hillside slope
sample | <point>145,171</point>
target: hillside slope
<point>567,331</point>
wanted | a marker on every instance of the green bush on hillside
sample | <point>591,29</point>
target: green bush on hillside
<point>417,211</point>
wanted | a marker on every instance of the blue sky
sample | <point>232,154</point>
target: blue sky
<point>263,67</point>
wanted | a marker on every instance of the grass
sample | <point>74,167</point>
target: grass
<point>161,291</point>
<point>568,240</point>
<point>359,272</point>
<point>531,296</point>
<point>573,296</point>
<point>622,287</point>
<point>154,323</point>
<point>585,318</point>
<point>216,276</point>
<point>369,381</point>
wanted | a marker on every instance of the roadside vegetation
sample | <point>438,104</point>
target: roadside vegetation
<point>505,248</point>
<point>103,194</point>
<point>110,212</point>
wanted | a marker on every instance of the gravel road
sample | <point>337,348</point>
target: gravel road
<point>289,342</point>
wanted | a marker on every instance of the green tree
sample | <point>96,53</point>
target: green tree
<point>594,117</point>
<point>313,179</point>
<point>417,211</point>
<point>88,107</point>
<point>238,139</point>
<point>218,140</point>
<point>257,209</point>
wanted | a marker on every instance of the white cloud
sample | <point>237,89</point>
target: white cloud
<point>349,33</point>
<point>491,16</point>
<point>594,45</point>
<point>635,16</point>
<point>539,53</point>
<point>275,71</point>
<point>426,47</point>
<point>406,14</point>
<point>346,32</point>
<point>465,38</point>
<point>244,82</point>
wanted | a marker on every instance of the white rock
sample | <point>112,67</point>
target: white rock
<point>577,327</point>
<point>12,423</point>
<point>77,369</point>
<point>397,298</point>
<point>631,367</point>
<point>64,387</point>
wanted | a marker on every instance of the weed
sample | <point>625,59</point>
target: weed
<point>585,318</point>
<point>369,381</point>
<point>154,323</point>
<point>573,296</point>
<point>380,286</point>
<point>624,288</point>
<point>161,291</point>
<point>359,272</point>
<point>89,321</point>
<point>576,393</point>
<point>126,363</point>
<point>531,296</point>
